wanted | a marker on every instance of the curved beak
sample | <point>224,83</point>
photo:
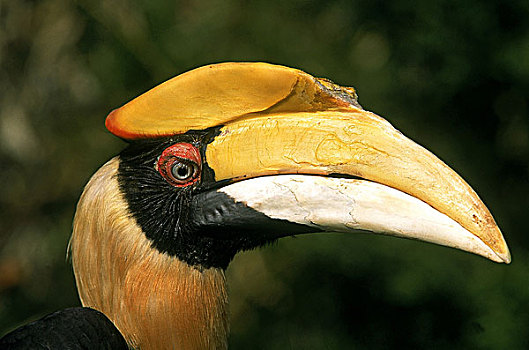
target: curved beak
<point>399,188</point>
<point>273,120</point>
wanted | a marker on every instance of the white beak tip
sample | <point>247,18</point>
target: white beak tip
<point>505,257</point>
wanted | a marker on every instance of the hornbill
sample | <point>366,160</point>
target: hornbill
<point>230,157</point>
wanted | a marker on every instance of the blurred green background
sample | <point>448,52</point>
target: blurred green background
<point>452,75</point>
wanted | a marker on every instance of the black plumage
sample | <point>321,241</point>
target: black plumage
<point>73,329</point>
<point>195,224</point>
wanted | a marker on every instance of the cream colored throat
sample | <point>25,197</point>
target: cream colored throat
<point>155,300</point>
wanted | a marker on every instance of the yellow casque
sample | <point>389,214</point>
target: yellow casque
<point>220,93</point>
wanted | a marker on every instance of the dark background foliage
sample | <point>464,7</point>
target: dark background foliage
<point>452,75</point>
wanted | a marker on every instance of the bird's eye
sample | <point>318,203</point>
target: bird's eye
<point>182,171</point>
<point>179,164</point>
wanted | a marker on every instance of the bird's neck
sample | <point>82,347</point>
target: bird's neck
<point>155,300</point>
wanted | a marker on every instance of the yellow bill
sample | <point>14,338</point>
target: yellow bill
<point>274,120</point>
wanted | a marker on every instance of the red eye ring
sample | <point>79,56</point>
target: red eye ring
<point>180,164</point>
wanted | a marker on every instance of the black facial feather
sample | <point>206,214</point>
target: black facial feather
<point>196,224</point>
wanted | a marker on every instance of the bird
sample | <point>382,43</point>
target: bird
<point>231,157</point>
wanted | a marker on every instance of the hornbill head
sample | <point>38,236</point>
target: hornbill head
<point>233,156</point>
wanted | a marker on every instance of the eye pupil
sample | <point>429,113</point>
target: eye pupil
<point>182,171</point>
